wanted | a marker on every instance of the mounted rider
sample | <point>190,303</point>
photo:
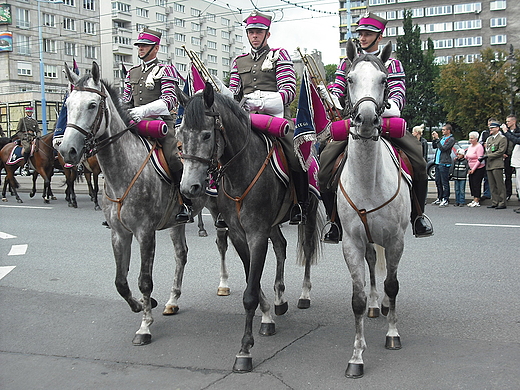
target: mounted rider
<point>26,131</point>
<point>264,81</point>
<point>370,32</point>
<point>150,93</point>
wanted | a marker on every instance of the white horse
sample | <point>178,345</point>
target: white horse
<point>373,197</point>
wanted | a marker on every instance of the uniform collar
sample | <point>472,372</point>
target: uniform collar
<point>147,65</point>
<point>256,54</point>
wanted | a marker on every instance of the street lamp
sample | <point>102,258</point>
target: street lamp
<point>512,58</point>
<point>42,79</point>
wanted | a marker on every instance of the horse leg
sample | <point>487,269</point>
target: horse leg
<point>356,264</point>
<point>222,245</point>
<point>373,297</point>
<point>96,191</point>
<point>280,249</point>
<point>393,255</point>
<point>13,184</point>
<point>200,224</point>
<point>267,326</point>
<point>34,177</point>
<point>178,237</point>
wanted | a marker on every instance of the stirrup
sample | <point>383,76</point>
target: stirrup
<point>297,216</point>
<point>184,215</point>
<point>220,223</point>
<point>428,232</point>
<point>330,238</point>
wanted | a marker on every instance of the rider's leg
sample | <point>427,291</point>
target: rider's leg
<point>301,185</point>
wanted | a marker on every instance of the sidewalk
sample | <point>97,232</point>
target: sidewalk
<point>57,184</point>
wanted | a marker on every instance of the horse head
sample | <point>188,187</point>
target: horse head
<point>367,90</point>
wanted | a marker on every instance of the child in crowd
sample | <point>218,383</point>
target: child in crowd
<point>459,172</point>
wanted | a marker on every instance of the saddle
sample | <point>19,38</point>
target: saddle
<point>16,156</point>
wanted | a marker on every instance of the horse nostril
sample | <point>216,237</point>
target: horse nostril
<point>358,119</point>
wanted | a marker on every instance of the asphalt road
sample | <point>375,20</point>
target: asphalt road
<point>63,325</point>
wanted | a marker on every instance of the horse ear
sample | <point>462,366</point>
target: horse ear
<point>96,74</point>
<point>209,95</point>
<point>386,52</point>
<point>71,76</point>
<point>351,50</point>
<point>183,98</point>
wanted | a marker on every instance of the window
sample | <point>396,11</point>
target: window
<point>118,39</point>
<point>178,7</point>
<point>225,22</point>
<point>163,49</point>
<point>468,41</point>
<point>161,3</point>
<point>72,3</point>
<point>49,46</point>
<point>179,22</point>
<point>391,15</point>
<point>179,52</point>
<point>212,31</point>
<point>212,59</point>
<point>181,67</point>
<point>195,26</point>
<point>180,37</point>
<point>443,44</point>
<point>440,10</point>
<point>211,17</point>
<point>69,24</point>
<point>49,20</point>
<point>212,45</point>
<point>121,7</point>
<point>225,34</point>
<point>89,28</point>
<point>24,68</point>
<point>71,49</point>
<point>438,27</point>
<point>90,52</point>
<point>141,12</point>
<point>140,27</point>
<point>195,12</point>
<point>226,48</point>
<point>88,4</point>
<point>195,41</point>
<point>50,71</point>
<point>160,17</point>
<point>498,22</point>
<point>467,25</point>
<point>376,2</point>
<point>442,60</point>
<point>498,39</point>
<point>238,38</point>
<point>468,58</point>
<point>497,5</point>
<point>226,62</point>
<point>23,44</point>
<point>22,17</point>
<point>390,32</point>
<point>467,8</point>
<point>118,58</point>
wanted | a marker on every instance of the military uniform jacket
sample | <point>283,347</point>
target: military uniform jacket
<point>140,93</point>
<point>27,129</point>
<point>495,148</point>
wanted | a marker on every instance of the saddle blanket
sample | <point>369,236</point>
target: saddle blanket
<point>15,157</point>
<point>154,159</point>
<point>399,165</point>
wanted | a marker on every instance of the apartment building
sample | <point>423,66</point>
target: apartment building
<point>459,29</point>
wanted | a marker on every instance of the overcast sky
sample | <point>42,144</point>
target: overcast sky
<point>297,27</point>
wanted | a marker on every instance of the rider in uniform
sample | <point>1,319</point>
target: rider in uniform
<point>370,32</point>
<point>26,131</point>
<point>264,81</point>
<point>150,93</point>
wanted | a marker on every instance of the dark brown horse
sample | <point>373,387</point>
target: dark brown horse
<point>42,160</point>
<point>91,170</point>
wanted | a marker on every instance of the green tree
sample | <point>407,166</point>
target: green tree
<point>330,73</point>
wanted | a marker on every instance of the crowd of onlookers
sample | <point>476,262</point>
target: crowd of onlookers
<point>488,163</point>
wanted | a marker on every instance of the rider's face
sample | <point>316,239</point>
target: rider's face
<point>142,49</point>
<point>366,38</point>
<point>257,37</point>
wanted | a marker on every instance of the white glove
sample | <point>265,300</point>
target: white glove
<point>223,89</point>
<point>393,111</point>
<point>329,97</point>
<point>270,103</point>
<point>56,142</point>
<point>153,109</point>
<point>155,74</point>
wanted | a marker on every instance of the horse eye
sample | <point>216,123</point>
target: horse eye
<point>206,136</point>
<point>92,106</point>
<point>349,80</point>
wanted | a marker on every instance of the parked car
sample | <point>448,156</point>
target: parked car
<point>430,165</point>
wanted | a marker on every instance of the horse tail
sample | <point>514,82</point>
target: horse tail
<point>380,261</point>
<point>315,218</point>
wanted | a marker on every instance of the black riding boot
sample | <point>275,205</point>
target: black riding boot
<point>333,236</point>
<point>185,214</point>
<point>421,224</point>
<point>26,156</point>
<point>298,212</point>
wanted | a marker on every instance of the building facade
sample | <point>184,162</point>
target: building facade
<point>459,29</point>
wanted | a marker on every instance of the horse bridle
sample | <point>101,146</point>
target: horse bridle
<point>351,110</point>
<point>92,145</point>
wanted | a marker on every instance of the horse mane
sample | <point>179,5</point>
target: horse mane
<point>227,108</point>
<point>114,96</point>
<point>373,59</point>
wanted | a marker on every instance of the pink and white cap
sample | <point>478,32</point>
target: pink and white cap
<point>148,37</point>
<point>258,20</point>
<point>371,22</point>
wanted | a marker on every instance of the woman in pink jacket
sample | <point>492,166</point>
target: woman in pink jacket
<point>477,169</point>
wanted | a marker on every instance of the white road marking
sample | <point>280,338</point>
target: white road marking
<point>5,236</point>
<point>28,207</point>
<point>17,250</point>
<point>5,270</point>
<point>487,225</point>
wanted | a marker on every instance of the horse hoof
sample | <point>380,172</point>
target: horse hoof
<point>46,201</point>
<point>170,310</point>
<point>4,200</point>
<point>19,201</point>
<point>354,370</point>
<point>223,291</point>
<point>153,302</point>
<point>203,233</point>
<point>54,198</point>
<point>267,329</point>
<point>373,312</point>
<point>243,364</point>
<point>281,309</point>
<point>384,310</point>
<point>142,339</point>
<point>31,194</point>
<point>304,303</point>
<point>393,342</point>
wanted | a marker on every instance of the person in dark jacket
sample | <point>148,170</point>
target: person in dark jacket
<point>443,163</point>
<point>459,173</point>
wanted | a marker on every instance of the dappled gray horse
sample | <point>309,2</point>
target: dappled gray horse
<point>251,198</point>
<point>137,201</point>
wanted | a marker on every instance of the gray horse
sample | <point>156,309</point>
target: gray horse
<point>251,198</point>
<point>137,201</point>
